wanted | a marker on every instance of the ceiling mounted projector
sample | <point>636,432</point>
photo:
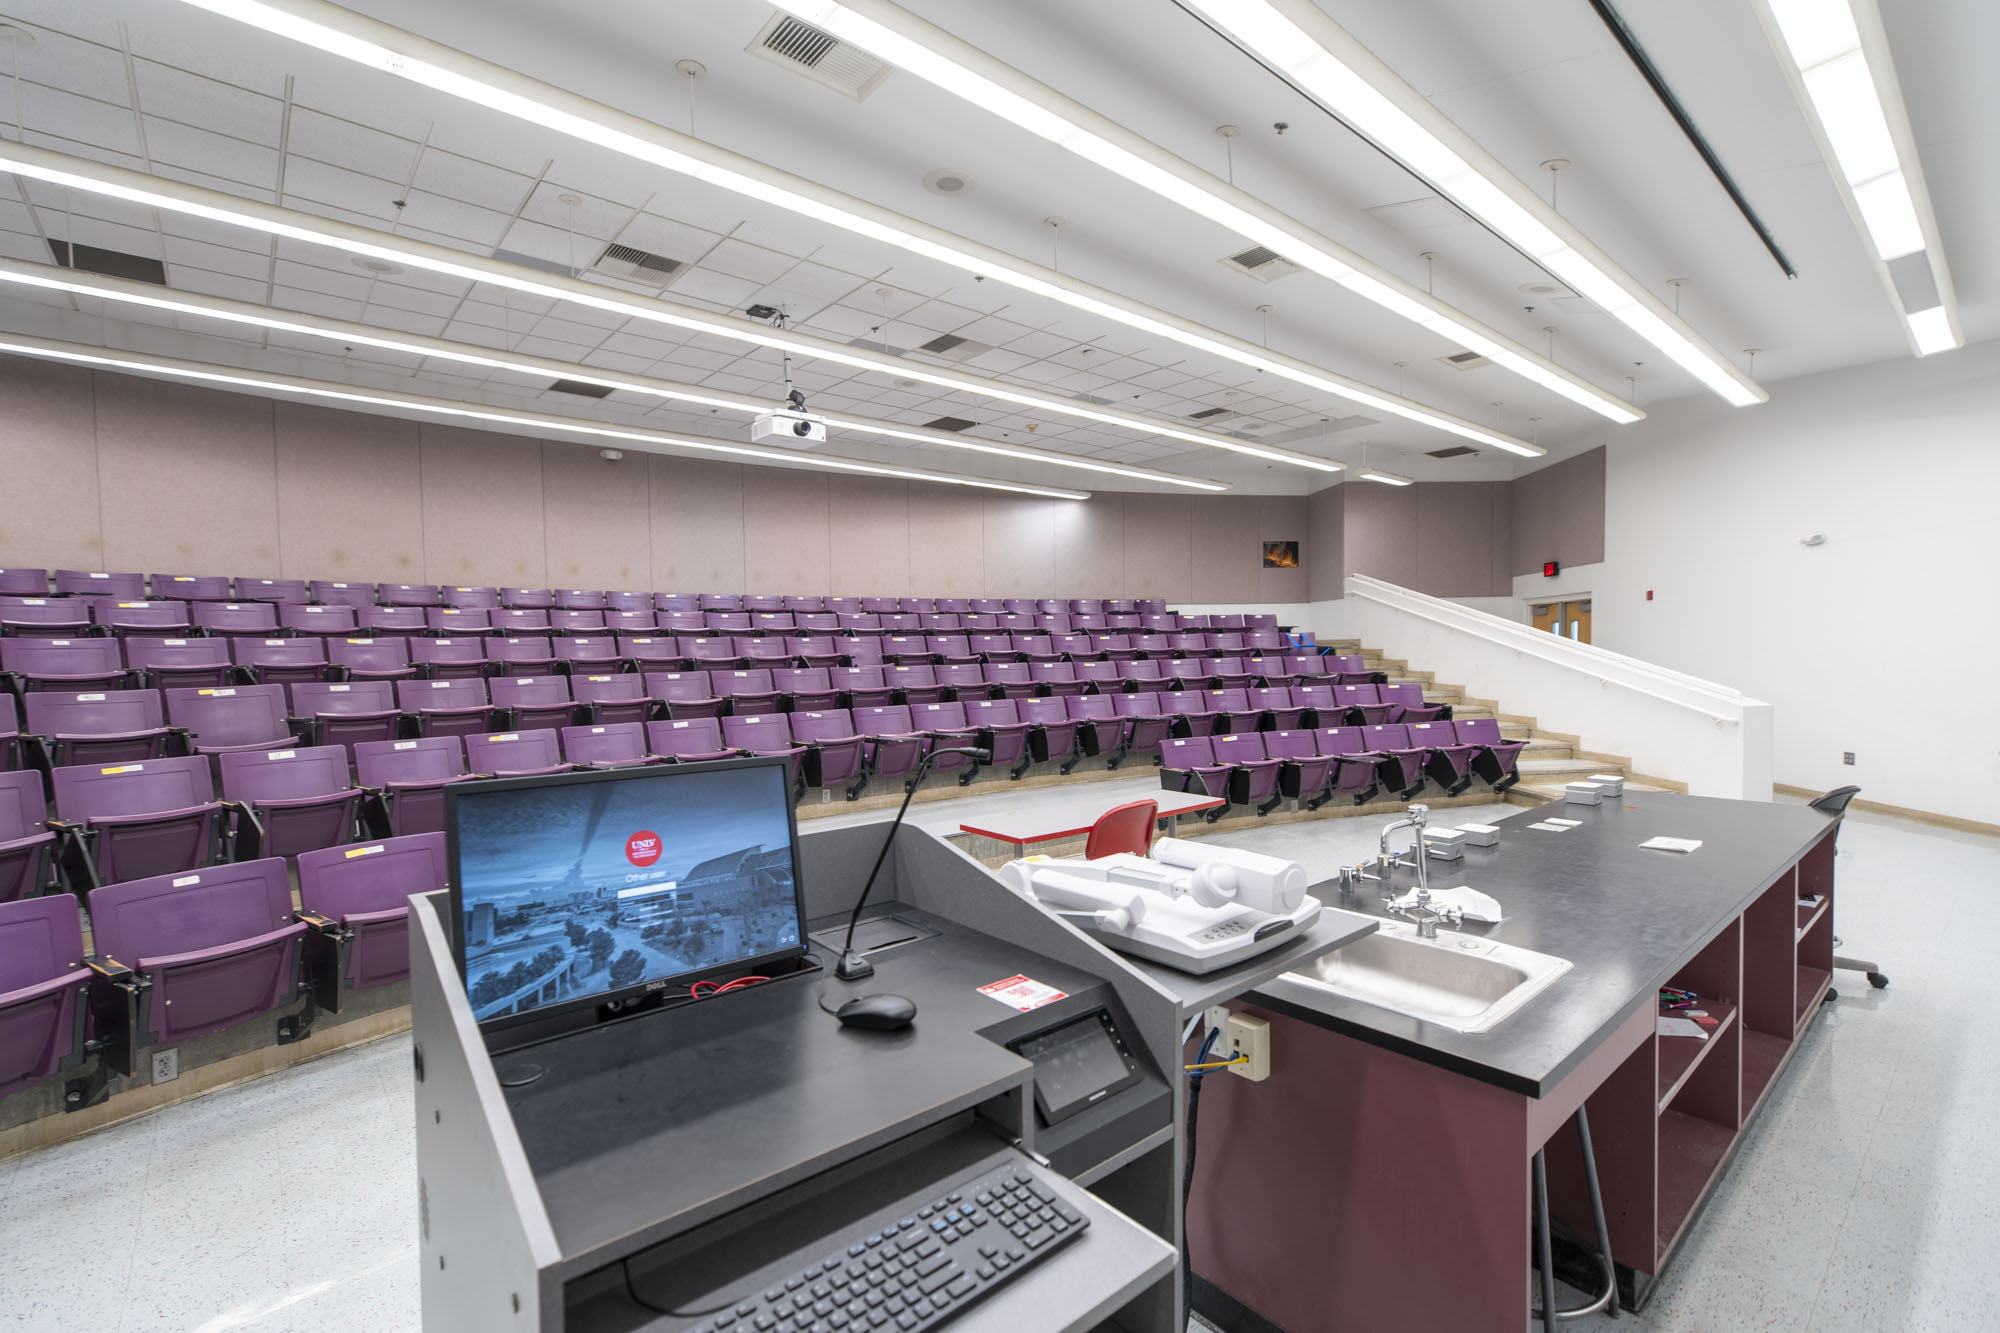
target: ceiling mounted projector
<point>797,429</point>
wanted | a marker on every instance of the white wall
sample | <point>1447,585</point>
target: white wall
<point>1884,640</point>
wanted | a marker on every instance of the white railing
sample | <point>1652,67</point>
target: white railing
<point>1669,724</point>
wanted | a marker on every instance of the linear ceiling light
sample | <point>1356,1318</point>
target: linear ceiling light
<point>1836,57</point>
<point>232,378</point>
<point>1386,478</point>
<point>195,201</point>
<point>126,292</point>
<point>1315,55</point>
<point>379,46</point>
<point>934,55</point>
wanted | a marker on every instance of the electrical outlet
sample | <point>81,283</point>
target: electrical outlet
<point>1242,1034</point>
<point>166,1065</point>
<point>1847,757</point>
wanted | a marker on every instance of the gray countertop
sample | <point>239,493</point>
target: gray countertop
<point>1626,919</point>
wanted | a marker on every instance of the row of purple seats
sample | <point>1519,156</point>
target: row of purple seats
<point>1261,769</point>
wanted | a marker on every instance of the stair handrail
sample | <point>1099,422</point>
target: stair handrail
<point>1605,666</point>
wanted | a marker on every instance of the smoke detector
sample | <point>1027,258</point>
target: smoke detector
<point>950,181</point>
<point>611,455</point>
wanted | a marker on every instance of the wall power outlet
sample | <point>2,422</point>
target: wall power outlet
<point>1245,1035</point>
<point>166,1065</point>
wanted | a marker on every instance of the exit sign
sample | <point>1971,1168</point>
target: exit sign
<point>1550,569</point>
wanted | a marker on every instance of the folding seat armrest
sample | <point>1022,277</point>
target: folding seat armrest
<point>324,925</point>
<point>246,831</point>
<point>116,992</point>
<point>76,864</point>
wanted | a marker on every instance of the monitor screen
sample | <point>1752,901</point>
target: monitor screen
<point>576,889</point>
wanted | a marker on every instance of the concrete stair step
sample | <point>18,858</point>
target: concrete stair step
<point>1569,769</point>
<point>1546,747</point>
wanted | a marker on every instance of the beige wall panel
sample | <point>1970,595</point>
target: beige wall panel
<point>483,513</point>
<point>49,444</point>
<point>786,534</point>
<point>1090,547</point>
<point>350,496</point>
<point>1159,561</point>
<point>868,524</point>
<point>947,548</point>
<point>1020,547</point>
<point>1223,549</point>
<point>599,518</point>
<point>697,516</point>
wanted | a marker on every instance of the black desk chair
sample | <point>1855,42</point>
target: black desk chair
<point>1835,803</point>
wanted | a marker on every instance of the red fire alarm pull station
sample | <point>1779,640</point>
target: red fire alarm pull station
<point>1550,569</point>
<point>1649,594</point>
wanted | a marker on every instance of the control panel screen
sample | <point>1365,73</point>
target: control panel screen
<point>1078,1064</point>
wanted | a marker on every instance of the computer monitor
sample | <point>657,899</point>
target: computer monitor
<point>581,889</point>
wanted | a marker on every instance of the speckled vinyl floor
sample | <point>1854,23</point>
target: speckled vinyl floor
<point>1868,1197</point>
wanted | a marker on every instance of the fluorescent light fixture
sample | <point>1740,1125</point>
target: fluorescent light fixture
<point>1319,58</point>
<point>379,46</point>
<point>125,292</point>
<point>927,51</point>
<point>1386,478</point>
<point>193,200</point>
<point>256,381</point>
<point>1836,56</point>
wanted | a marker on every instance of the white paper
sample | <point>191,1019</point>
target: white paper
<point>1551,826</point>
<point>1681,1027</point>
<point>1566,823</point>
<point>1665,844</point>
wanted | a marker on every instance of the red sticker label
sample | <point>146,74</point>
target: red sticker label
<point>643,848</point>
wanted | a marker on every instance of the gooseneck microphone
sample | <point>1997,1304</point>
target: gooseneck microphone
<point>853,967</point>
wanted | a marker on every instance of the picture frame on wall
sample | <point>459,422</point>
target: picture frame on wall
<point>1281,555</point>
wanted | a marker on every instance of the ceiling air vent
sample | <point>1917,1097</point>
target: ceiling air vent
<point>635,265</point>
<point>1452,451</point>
<point>874,342</point>
<point>951,347</point>
<point>950,423</point>
<point>1208,414</point>
<point>820,56</point>
<point>1091,398</point>
<point>1466,360</point>
<point>1261,263</point>
<point>111,263</point>
<point>580,389</point>
<point>526,260</point>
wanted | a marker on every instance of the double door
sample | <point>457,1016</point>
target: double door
<point>1570,619</point>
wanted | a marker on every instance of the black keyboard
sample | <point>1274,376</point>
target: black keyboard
<point>921,1270</point>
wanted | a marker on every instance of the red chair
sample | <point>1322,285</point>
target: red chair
<point>1124,828</point>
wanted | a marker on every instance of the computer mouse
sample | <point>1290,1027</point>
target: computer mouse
<point>881,1013</point>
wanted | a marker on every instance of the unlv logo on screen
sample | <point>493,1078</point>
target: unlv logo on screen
<point>643,848</point>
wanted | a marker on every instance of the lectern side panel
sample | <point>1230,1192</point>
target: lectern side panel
<point>484,1238</point>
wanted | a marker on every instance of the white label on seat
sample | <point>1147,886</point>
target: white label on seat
<point>522,680</point>
<point>220,694</point>
<point>353,852</point>
<point>186,880</point>
<point>274,643</point>
<point>174,643</point>
<point>123,605</point>
<point>509,736</point>
<point>59,643</point>
<point>281,754</point>
<point>680,726</point>
<point>338,689</point>
<point>404,745</point>
<point>440,684</point>
<point>100,576</point>
<point>124,768</point>
<point>34,601</point>
<point>183,578</point>
<point>597,731</point>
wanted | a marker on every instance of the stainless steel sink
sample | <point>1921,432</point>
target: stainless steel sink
<point>1457,981</point>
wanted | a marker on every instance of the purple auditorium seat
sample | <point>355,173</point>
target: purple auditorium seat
<point>915,684</point>
<point>1361,706</point>
<point>406,781</point>
<point>805,688</point>
<point>999,729</point>
<point>987,606</point>
<point>1153,645</point>
<point>1156,622</point>
<point>1192,673</point>
<point>1192,712</point>
<point>653,653</point>
<point>366,891</point>
<point>1273,670</point>
<point>459,621</point>
<point>527,599</point>
<point>1495,757</point>
<point>1233,620</point>
<point>44,990</point>
<point>767,736</point>
<point>606,745</point>
<point>817,650</point>
<point>579,599</point>
<point>951,649</point>
<point>341,594</point>
<point>123,619</point>
<point>1100,677</point>
<point>256,620</point>
<point>219,946</point>
<point>325,621</point>
<point>890,732</point>
<point>1053,734</point>
<point>1146,723</point>
<point>528,703</point>
<point>727,624</point>
<point>1075,647</point>
<point>1009,680</point>
<point>719,601</point>
<point>676,601</point>
<point>128,821</point>
<point>962,681</point>
<point>1353,669</point>
<point>587,654</point>
<point>1228,644</point>
<point>1253,777</point>
<point>577,622</point>
<point>1317,706</point>
<point>991,647</point>
<point>24,582</point>
<point>746,691</point>
<point>10,734</point>
<point>1121,606</point>
<point>1408,698</point>
<point>520,621</point>
<point>1057,678</point>
<point>295,800</point>
<point>876,606</point>
<point>899,623</point>
<point>89,583</point>
<point>279,661</point>
<point>684,624</point>
<point>1264,641</point>
<point>940,622</point>
<point>346,713</point>
<point>773,623</point>
<point>954,605</point>
<point>62,664</point>
<point>369,659</point>
<point>1231,673</point>
<point>688,740</point>
<point>1100,732</point>
<point>1017,623</point>
<point>450,707</point>
<point>1123,625</point>
<point>763,601</point>
<point>272,590</point>
<point>408,594</point>
<point>519,656</point>
<point>855,623</point>
<point>620,697</point>
<point>26,847</point>
<point>162,663</point>
<point>685,694</point>
<point>1238,712</point>
<point>1189,644</point>
<point>467,599</point>
<point>945,725</point>
<point>95,727</point>
<point>1280,713</point>
<point>1263,620</point>
<point>1018,606</point>
<point>1049,606</point>
<point>907,650</point>
<point>865,650</point>
<point>796,604</point>
<point>1404,761</point>
<point>1188,763</point>
<point>817,622</point>
<point>1357,770</point>
<point>767,653</point>
<point>712,654</point>
<point>449,659</point>
<point>377,621</point>
<point>1087,606</point>
<point>238,717</point>
<point>1116,647</point>
<point>835,755</point>
<point>844,605</point>
<point>619,624</point>
<point>1311,667</point>
<point>1304,774</point>
<point>1096,626</point>
<point>515,754</point>
<point>862,686</point>
<point>46,618</point>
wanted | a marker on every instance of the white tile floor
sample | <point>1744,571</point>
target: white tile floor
<point>1867,1198</point>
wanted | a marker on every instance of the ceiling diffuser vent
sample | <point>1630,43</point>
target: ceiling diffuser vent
<point>1261,263</point>
<point>950,423</point>
<point>820,56</point>
<point>1208,414</point>
<point>874,342</point>
<point>635,265</point>
<point>951,347</point>
<point>1452,451</point>
<point>1092,399</point>
<point>1466,360</point>
<point>526,260</point>
<point>580,389</point>
<point>111,263</point>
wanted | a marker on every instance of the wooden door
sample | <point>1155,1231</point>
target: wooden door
<point>1576,616</point>
<point>1547,615</point>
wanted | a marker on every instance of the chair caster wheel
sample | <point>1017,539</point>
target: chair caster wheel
<point>1878,981</point>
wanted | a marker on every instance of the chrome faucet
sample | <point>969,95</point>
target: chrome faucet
<point>1420,911</point>
<point>1414,821</point>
